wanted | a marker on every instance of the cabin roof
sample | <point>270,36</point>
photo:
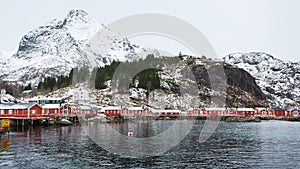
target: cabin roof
<point>278,109</point>
<point>245,109</point>
<point>165,111</point>
<point>215,109</point>
<point>84,107</point>
<point>45,98</point>
<point>52,106</point>
<point>16,105</point>
<point>260,108</point>
<point>135,108</point>
<point>111,108</point>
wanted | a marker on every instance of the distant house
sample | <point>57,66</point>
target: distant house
<point>86,111</point>
<point>113,111</point>
<point>214,111</point>
<point>27,94</point>
<point>277,112</point>
<point>293,112</point>
<point>52,107</point>
<point>244,112</point>
<point>80,95</point>
<point>260,111</point>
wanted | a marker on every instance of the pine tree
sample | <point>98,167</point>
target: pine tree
<point>180,55</point>
<point>28,87</point>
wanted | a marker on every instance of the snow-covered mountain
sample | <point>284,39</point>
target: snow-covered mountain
<point>279,80</point>
<point>59,46</point>
<point>4,61</point>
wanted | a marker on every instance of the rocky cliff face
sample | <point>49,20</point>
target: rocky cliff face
<point>242,89</point>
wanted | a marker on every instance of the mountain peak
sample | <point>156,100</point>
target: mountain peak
<point>76,13</point>
<point>80,25</point>
<point>76,16</point>
<point>55,48</point>
<point>252,58</point>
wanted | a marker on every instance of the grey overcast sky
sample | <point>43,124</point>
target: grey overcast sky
<point>271,26</point>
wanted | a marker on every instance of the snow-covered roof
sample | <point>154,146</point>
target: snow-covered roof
<point>26,91</point>
<point>245,109</point>
<point>111,108</point>
<point>215,109</point>
<point>165,111</point>
<point>84,107</point>
<point>260,108</point>
<point>16,105</point>
<point>35,99</point>
<point>51,106</point>
<point>50,98</point>
<point>135,108</point>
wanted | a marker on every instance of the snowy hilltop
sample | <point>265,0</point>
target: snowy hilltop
<point>58,46</point>
<point>279,80</point>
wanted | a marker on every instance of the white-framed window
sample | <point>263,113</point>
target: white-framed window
<point>33,111</point>
<point>2,111</point>
<point>9,111</point>
<point>295,113</point>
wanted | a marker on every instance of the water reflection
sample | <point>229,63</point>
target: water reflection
<point>4,143</point>
<point>271,144</point>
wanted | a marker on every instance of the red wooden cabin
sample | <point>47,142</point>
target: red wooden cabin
<point>21,110</point>
<point>277,112</point>
<point>166,113</point>
<point>293,113</point>
<point>194,112</point>
<point>113,111</point>
<point>86,111</point>
<point>214,111</point>
<point>135,111</point>
<point>243,112</point>
<point>260,111</point>
<point>53,110</point>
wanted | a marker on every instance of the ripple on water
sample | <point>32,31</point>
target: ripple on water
<point>270,144</point>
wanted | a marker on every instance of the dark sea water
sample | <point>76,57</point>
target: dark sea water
<point>269,144</point>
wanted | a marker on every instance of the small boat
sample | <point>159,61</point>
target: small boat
<point>50,122</point>
<point>47,122</point>
<point>64,122</point>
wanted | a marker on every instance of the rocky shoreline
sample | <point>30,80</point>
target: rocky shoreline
<point>240,119</point>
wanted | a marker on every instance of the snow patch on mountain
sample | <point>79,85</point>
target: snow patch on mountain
<point>279,80</point>
<point>81,26</point>
<point>4,56</point>
<point>58,46</point>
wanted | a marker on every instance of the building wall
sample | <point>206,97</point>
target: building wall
<point>112,112</point>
